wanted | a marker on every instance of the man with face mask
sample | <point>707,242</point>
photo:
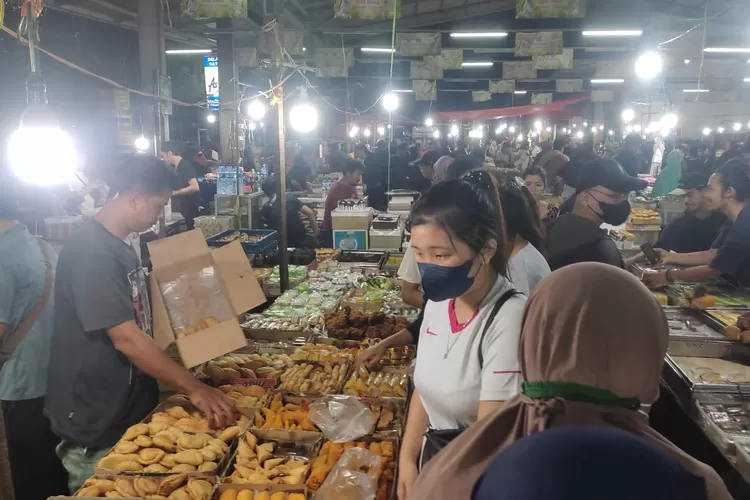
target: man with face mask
<point>602,188</point>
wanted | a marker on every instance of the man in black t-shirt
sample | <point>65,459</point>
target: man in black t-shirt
<point>187,199</point>
<point>697,228</point>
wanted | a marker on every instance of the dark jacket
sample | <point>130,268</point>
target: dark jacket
<point>572,239</point>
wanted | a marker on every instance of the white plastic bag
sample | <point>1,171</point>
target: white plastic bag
<point>342,418</point>
<point>352,478</point>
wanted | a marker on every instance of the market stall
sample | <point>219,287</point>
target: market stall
<point>307,417</point>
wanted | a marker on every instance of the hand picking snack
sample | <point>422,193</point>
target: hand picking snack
<point>193,421</point>
<point>249,396</point>
<point>331,452</point>
<point>257,464</point>
<point>382,384</point>
<point>325,353</point>
<point>306,378</point>
<point>281,416</point>
<point>255,365</point>
<point>175,487</point>
<point>393,356</point>
<point>203,324</point>
<point>250,494</point>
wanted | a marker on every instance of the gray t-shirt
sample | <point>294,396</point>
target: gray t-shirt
<point>94,391</point>
<point>527,268</point>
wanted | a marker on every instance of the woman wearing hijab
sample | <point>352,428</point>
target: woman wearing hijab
<point>581,463</point>
<point>590,357</point>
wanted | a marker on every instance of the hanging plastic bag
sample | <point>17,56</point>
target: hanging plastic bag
<point>342,418</point>
<point>352,478</point>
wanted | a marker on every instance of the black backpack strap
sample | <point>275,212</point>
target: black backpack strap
<point>496,308</point>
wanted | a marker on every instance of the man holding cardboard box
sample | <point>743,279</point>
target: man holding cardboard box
<point>103,360</point>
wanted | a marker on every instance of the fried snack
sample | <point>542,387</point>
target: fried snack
<point>324,353</point>
<point>245,396</point>
<point>315,379</point>
<point>279,495</point>
<point>150,456</point>
<point>232,366</point>
<point>135,431</point>
<point>183,468</point>
<point>331,452</point>
<point>179,494</point>
<point>179,420</point>
<point>143,441</point>
<point>125,488</point>
<point>229,495</point>
<point>144,486</point>
<point>358,325</point>
<point>112,460</point>
<point>192,457</point>
<point>125,447</point>
<point>128,466</point>
<point>289,416</point>
<point>381,384</point>
<point>208,467</point>
<point>199,489</point>
<point>256,464</point>
<point>157,468</point>
<point>170,484</point>
<point>245,495</point>
<point>89,491</point>
<point>229,433</point>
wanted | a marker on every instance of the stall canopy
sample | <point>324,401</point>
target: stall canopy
<point>555,108</point>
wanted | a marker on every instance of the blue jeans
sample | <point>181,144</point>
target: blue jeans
<point>79,461</point>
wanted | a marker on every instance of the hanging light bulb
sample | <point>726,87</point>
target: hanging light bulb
<point>256,110</point>
<point>648,65</point>
<point>366,133</point>
<point>512,129</point>
<point>628,115</point>
<point>454,130</point>
<point>381,130</point>
<point>354,131</point>
<point>390,102</point>
<point>428,122</point>
<point>579,134</point>
<point>720,130</point>
<point>303,117</point>
<point>737,126</point>
<point>706,131</point>
<point>436,134</point>
<point>211,118</point>
<point>141,143</point>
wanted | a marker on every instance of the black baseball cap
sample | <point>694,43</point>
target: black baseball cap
<point>428,158</point>
<point>690,180</point>
<point>606,173</point>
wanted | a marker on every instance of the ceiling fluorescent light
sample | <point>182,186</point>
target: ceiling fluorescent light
<point>728,50</point>
<point>520,92</point>
<point>402,90</point>
<point>477,64</point>
<point>612,33</point>
<point>377,49</point>
<point>695,91</point>
<point>747,79</point>
<point>188,51</point>
<point>607,80</point>
<point>479,34</point>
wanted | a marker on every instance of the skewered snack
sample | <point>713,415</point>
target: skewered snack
<point>285,416</point>
<point>325,353</point>
<point>203,324</point>
<point>307,378</point>
<point>349,324</point>
<point>257,464</point>
<point>245,396</point>
<point>331,452</point>
<point>176,486</point>
<point>234,366</point>
<point>377,383</point>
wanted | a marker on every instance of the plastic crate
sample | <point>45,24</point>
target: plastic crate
<point>270,238</point>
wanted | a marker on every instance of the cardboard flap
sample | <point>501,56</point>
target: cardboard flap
<point>163,335</point>
<point>237,275</point>
<point>177,248</point>
<point>211,343</point>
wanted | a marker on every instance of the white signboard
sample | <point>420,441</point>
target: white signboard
<point>518,70</point>
<point>539,44</point>
<point>211,74</point>
<point>418,44</point>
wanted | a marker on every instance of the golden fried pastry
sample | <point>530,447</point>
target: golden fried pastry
<point>263,454</point>
<point>171,483</point>
<point>149,456</point>
<point>135,431</point>
<point>192,457</point>
<point>244,449</point>
<point>145,486</point>
<point>104,485</point>
<point>251,439</point>
<point>112,494</point>
<point>296,496</point>
<point>263,495</point>
<point>156,497</point>
<point>113,459</point>
<point>155,428</point>
<point>159,468</point>
<point>229,495</point>
<point>89,491</point>
<point>199,489</point>
<point>168,460</point>
<point>124,488</point>
<point>279,495</point>
<point>143,441</point>
<point>163,418</point>
<point>219,452</point>
<point>245,495</point>
<point>271,463</point>
<point>178,412</point>
<point>125,447</point>
<point>208,454</point>
<point>193,441</point>
<point>229,433</point>
<point>128,466</point>
<point>208,467</point>
<point>183,468</point>
<point>221,444</point>
<point>179,494</point>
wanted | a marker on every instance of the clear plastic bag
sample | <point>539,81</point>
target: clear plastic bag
<point>352,478</point>
<point>342,418</point>
<point>195,301</point>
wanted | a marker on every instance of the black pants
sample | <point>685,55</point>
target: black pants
<point>37,472</point>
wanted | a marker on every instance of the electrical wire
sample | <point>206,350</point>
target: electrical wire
<point>703,48</point>
<point>390,87</point>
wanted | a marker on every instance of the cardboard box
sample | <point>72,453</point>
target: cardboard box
<point>188,252</point>
<point>346,219</point>
<point>351,239</point>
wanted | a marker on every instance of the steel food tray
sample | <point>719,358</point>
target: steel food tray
<point>349,258</point>
<point>690,325</point>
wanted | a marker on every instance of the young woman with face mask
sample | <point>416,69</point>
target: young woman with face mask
<point>468,344</point>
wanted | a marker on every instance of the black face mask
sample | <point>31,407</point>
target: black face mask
<point>613,213</point>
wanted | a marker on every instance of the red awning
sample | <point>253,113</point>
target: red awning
<point>492,114</point>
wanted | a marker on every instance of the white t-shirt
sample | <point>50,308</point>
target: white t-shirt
<point>527,268</point>
<point>409,270</point>
<point>448,374</point>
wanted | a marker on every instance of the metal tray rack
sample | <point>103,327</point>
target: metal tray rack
<point>383,257</point>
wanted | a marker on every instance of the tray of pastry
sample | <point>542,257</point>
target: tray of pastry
<point>227,491</point>
<point>688,376</point>
<point>314,378</point>
<point>285,413</point>
<point>378,381</point>
<point>273,457</point>
<point>390,415</point>
<point>176,486</point>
